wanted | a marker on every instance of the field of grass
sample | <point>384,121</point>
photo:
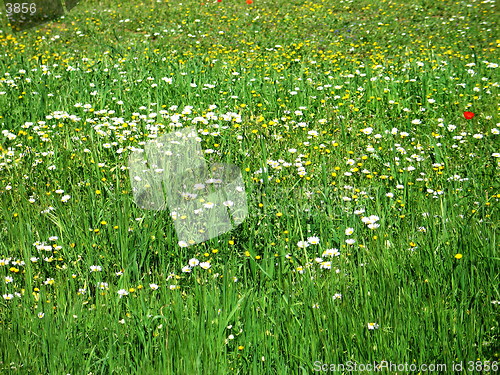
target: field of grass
<point>371,236</point>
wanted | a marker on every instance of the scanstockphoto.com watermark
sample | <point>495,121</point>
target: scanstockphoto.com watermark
<point>392,367</point>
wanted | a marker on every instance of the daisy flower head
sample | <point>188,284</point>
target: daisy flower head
<point>122,292</point>
<point>313,240</point>
<point>331,252</point>
<point>193,262</point>
<point>302,244</point>
<point>205,265</point>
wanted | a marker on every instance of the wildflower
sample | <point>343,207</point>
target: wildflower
<point>65,198</point>
<point>349,231</point>
<point>372,326</point>
<point>193,262</point>
<point>154,286</point>
<point>337,296</point>
<point>302,244</point>
<point>8,296</point>
<point>122,292</point>
<point>458,256</point>
<point>228,203</point>
<point>331,252</point>
<point>370,219</point>
<point>205,265</point>
<point>95,268</point>
<point>326,265</point>
<point>8,279</point>
<point>469,115</point>
<point>4,262</point>
<point>40,315</point>
<point>313,240</point>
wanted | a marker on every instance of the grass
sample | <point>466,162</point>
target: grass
<point>373,202</point>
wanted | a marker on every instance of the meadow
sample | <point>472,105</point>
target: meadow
<point>367,133</point>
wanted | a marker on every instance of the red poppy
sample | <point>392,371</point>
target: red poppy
<point>469,115</point>
<point>219,1</point>
<point>249,1</point>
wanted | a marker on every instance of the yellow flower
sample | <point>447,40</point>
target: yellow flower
<point>458,256</point>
